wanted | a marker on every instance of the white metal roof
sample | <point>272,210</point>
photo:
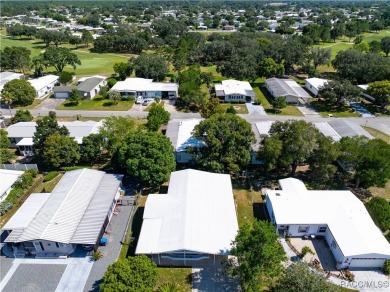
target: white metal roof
<point>345,215</point>
<point>42,82</point>
<point>5,77</point>
<point>142,84</point>
<point>77,129</point>
<point>230,87</point>
<point>338,129</point>
<point>285,87</point>
<point>7,179</point>
<point>75,210</point>
<point>316,82</point>
<point>363,86</point>
<point>180,133</point>
<point>197,214</point>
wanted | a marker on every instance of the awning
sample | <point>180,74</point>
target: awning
<point>25,142</point>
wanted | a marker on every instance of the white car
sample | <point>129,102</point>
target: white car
<point>139,100</point>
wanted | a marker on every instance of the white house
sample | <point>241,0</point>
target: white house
<point>77,212</point>
<point>179,133</point>
<point>21,134</point>
<point>7,179</point>
<point>234,90</point>
<point>193,224</point>
<point>287,88</point>
<point>43,85</point>
<point>337,216</point>
<point>147,88</point>
<point>314,84</point>
<point>6,77</point>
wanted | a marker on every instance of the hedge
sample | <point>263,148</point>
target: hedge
<point>50,176</point>
<point>19,188</point>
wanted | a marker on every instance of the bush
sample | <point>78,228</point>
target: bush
<point>379,210</point>
<point>33,172</point>
<point>96,255</point>
<point>305,250</point>
<point>257,101</point>
<point>234,102</point>
<point>231,110</point>
<point>241,101</point>
<point>69,168</point>
<point>50,176</point>
<point>386,267</point>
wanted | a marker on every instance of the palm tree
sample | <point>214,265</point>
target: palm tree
<point>169,287</point>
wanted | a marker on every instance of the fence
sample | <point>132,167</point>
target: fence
<point>19,166</point>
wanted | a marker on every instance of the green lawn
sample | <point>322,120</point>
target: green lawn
<point>240,108</point>
<point>47,187</point>
<point>91,63</point>
<point>180,276</point>
<point>377,134</point>
<point>290,110</point>
<point>325,111</point>
<point>97,105</point>
<point>35,103</point>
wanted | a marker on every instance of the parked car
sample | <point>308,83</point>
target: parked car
<point>87,247</point>
<point>139,100</point>
<point>147,101</point>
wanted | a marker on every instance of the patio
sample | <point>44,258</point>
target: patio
<point>321,251</point>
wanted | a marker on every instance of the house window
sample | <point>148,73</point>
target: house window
<point>303,229</point>
<point>322,229</point>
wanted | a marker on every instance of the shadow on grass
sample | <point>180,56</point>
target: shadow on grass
<point>323,106</point>
<point>108,103</point>
<point>135,230</point>
<point>260,211</point>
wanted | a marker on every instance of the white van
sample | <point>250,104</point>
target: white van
<point>139,100</point>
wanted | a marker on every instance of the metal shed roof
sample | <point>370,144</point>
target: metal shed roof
<point>75,211</point>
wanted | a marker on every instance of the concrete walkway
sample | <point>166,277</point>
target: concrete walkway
<point>208,279</point>
<point>69,281</point>
<point>253,109</point>
<point>308,111</point>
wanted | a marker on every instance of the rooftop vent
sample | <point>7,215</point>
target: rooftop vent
<point>278,194</point>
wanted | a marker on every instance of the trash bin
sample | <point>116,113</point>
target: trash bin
<point>103,241</point>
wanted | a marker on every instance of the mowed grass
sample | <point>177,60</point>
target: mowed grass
<point>240,108</point>
<point>381,192</point>
<point>378,134</point>
<point>36,102</point>
<point>47,187</point>
<point>325,111</point>
<point>97,105</point>
<point>180,276</point>
<point>91,63</point>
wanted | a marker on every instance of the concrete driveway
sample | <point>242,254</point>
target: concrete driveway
<point>169,106</point>
<point>366,281</point>
<point>255,109</point>
<point>50,104</point>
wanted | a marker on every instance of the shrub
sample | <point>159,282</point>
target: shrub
<point>379,210</point>
<point>69,168</point>
<point>97,255</point>
<point>241,101</point>
<point>386,267</point>
<point>234,102</point>
<point>305,250</point>
<point>33,172</point>
<point>257,101</point>
<point>231,110</point>
<point>50,176</point>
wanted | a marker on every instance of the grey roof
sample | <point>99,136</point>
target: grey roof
<point>284,87</point>
<point>89,84</point>
<point>63,88</point>
<point>75,211</point>
<point>338,129</point>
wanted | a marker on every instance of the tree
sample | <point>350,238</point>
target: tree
<point>379,209</point>
<point>86,37</point>
<point>65,77</point>
<point>5,154</point>
<point>169,287</point>
<point>375,46</point>
<point>18,92</point>
<point>151,66</point>
<point>156,117</point>
<point>299,277</point>
<point>123,69</point>
<point>22,116</point>
<point>288,144</point>
<point>240,67</point>
<point>59,150</point>
<point>16,58</point>
<point>114,129</point>
<point>269,68</point>
<point>74,40</point>
<point>362,47</point>
<point>320,56</point>
<point>91,149</point>
<point>368,160</point>
<point>380,90</point>
<point>385,45</point>
<point>111,82</point>
<point>227,140</point>
<point>115,95</point>
<point>46,127</point>
<point>148,156</point>
<point>336,92</point>
<point>259,256</point>
<point>322,159</point>
<point>75,97</point>
<point>60,57</point>
<point>278,103</point>
<point>211,107</point>
<point>137,273</point>
<point>38,64</point>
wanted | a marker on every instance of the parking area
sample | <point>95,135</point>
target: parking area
<point>50,104</point>
<point>255,109</point>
